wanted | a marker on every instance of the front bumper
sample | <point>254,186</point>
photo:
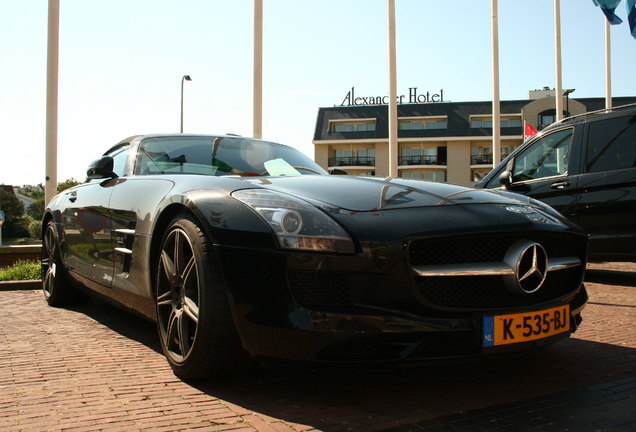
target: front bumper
<point>377,318</point>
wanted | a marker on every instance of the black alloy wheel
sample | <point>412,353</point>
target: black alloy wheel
<point>196,330</point>
<point>55,284</point>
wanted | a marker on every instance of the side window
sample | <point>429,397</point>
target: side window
<point>547,157</point>
<point>119,159</point>
<point>611,144</point>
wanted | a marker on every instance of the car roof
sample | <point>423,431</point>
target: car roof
<point>584,116</point>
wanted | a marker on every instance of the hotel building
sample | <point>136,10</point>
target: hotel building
<point>437,140</point>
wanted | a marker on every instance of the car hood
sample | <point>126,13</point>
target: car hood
<point>371,194</point>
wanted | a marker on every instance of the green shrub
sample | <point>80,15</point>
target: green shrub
<point>22,270</point>
<point>35,229</point>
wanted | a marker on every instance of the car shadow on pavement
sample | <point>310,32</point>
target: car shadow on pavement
<point>123,322</point>
<point>320,398</point>
<point>390,397</point>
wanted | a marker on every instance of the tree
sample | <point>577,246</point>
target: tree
<point>36,208</point>
<point>13,211</point>
<point>67,184</point>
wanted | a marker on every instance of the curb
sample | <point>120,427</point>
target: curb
<point>20,285</point>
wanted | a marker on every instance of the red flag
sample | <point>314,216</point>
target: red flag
<point>530,131</point>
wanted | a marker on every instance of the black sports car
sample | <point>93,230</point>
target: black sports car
<point>245,250</point>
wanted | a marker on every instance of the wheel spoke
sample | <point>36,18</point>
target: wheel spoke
<point>48,240</point>
<point>168,265</point>
<point>165,299</point>
<point>191,309</point>
<point>48,262</point>
<point>172,329</point>
<point>178,252</point>
<point>188,270</point>
<point>49,279</point>
<point>184,335</point>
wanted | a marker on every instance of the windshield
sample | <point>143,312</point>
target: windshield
<point>220,156</point>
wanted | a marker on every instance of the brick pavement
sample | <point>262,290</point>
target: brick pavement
<point>97,368</point>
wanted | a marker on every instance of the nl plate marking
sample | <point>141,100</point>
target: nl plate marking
<point>525,326</point>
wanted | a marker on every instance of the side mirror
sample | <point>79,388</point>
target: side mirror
<point>505,178</point>
<point>338,171</point>
<point>101,168</point>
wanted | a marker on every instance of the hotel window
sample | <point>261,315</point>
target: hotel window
<point>423,155</point>
<point>481,123</point>
<point>511,122</point>
<point>478,174</point>
<point>546,118</point>
<point>413,175</point>
<point>406,125</point>
<point>343,153</point>
<point>437,176</point>
<point>486,122</point>
<point>411,151</point>
<point>423,124</point>
<point>353,126</point>
<point>366,152</point>
<point>483,154</point>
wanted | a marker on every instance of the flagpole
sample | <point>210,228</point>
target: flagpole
<point>496,112</point>
<point>393,120</point>
<point>608,65</point>
<point>258,70</point>
<point>52,67</point>
<point>558,96</point>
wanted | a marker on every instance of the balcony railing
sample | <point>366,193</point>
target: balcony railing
<point>422,160</point>
<point>352,161</point>
<point>485,159</point>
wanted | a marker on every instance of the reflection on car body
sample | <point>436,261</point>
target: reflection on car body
<point>243,250</point>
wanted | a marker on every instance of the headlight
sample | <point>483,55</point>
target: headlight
<point>297,224</point>
<point>537,211</point>
<point>546,209</point>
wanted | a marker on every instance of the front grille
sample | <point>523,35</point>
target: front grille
<point>488,248</point>
<point>490,291</point>
<point>312,289</point>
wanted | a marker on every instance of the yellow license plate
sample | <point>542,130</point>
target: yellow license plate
<point>526,326</point>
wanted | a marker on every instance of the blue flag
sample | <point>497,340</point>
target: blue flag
<point>608,7</point>
<point>631,16</point>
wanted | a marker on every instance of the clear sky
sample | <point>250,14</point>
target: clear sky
<point>121,64</point>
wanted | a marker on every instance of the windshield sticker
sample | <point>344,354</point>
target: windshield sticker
<point>278,167</point>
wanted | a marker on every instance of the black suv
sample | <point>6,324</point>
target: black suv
<point>585,167</point>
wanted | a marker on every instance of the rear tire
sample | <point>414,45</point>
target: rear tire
<point>194,320</point>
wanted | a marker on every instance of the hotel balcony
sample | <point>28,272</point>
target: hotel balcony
<point>485,159</point>
<point>422,160</point>
<point>351,161</point>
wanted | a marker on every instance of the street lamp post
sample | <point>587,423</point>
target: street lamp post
<point>185,78</point>
<point>566,93</point>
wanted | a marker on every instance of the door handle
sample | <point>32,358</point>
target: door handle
<point>560,185</point>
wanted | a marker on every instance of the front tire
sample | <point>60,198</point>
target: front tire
<point>195,324</point>
<point>55,284</point>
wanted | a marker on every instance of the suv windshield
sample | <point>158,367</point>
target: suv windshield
<point>547,157</point>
